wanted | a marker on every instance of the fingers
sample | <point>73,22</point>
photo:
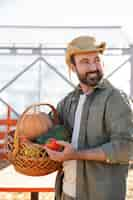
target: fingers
<point>49,151</point>
<point>54,155</point>
<point>63,143</point>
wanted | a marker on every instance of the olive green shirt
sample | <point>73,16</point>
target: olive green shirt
<point>106,122</point>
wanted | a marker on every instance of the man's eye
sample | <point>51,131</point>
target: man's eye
<point>97,60</point>
<point>86,61</point>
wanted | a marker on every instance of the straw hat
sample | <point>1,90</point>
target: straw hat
<point>83,44</point>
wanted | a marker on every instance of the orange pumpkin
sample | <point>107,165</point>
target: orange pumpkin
<point>32,125</point>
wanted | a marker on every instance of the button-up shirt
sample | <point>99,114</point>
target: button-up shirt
<point>106,122</point>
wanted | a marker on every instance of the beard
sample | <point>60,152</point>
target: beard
<point>90,78</point>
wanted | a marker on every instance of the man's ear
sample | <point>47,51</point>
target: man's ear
<point>73,67</point>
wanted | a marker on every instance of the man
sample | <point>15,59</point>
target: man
<point>99,118</point>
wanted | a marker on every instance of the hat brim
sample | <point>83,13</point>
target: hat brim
<point>73,51</point>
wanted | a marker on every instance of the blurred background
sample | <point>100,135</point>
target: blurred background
<point>33,39</point>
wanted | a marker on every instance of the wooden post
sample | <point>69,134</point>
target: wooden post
<point>34,196</point>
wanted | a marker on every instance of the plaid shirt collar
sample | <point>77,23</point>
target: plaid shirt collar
<point>101,85</point>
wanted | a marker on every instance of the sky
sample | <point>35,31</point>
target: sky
<point>65,13</point>
<point>68,12</point>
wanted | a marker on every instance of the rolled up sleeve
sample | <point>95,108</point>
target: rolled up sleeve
<point>119,124</point>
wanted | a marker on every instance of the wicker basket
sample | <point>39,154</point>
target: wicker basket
<point>30,158</point>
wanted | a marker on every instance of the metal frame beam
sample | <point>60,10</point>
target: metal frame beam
<point>56,27</point>
<point>40,50</point>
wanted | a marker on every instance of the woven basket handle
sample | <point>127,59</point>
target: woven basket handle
<point>16,134</point>
<point>55,120</point>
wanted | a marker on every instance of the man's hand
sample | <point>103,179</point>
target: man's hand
<point>69,153</point>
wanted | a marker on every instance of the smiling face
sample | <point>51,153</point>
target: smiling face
<point>89,68</point>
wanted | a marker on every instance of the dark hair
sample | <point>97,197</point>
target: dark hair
<point>73,60</point>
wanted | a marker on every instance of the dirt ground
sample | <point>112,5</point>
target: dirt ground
<point>50,195</point>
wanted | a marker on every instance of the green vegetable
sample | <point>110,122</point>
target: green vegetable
<point>58,132</point>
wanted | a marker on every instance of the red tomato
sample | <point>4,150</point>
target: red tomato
<point>53,145</point>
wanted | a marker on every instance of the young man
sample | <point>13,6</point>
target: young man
<point>99,118</point>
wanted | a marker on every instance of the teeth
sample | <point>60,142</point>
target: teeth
<point>93,74</point>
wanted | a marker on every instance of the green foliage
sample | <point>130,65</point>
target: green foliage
<point>58,132</point>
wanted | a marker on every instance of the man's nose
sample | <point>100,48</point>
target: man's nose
<point>92,67</point>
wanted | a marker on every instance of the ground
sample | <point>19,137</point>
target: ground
<point>50,195</point>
